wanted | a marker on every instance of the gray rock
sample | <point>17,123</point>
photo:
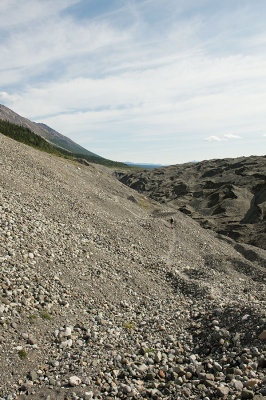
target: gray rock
<point>238,385</point>
<point>33,375</point>
<point>223,391</point>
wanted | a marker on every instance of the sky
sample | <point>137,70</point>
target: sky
<point>155,81</point>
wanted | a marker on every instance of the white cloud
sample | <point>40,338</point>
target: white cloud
<point>16,13</point>
<point>5,97</point>
<point>223,138</point>
<point>231,136</point>
<point>54,41</point>
<point>122,74</point>
<point>213,139</point>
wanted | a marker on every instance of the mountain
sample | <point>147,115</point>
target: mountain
<point>62,141</point>
<point>44,131</point>
<point>144,165</point>
<point>227,195</point>
<point>101,297</point>
<point>46,139</point>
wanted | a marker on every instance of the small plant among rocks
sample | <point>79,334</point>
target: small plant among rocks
<point>32,318</point>
<point>129,325</point>
<point>45,315</point>
<point>22,354</point>
<point>149,350</point>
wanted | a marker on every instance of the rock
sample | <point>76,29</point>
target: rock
<point>222,391</point>
<point>74,381</point>
<point>127,389</point>
<point>238,385</point>
<point>68,331</point>
<point>88,395</point>
<point>217,366</point>
<point>209,377</point>
<point>262,362</point>
<point>161,374</point>
<point>158,357</point>
<point>142,367</point>
<point>66,343</point>
<point>33,375</point>
<point>150,376</point>
<point>252,382</point>
<point>247,394</point>
<point>32,340</point>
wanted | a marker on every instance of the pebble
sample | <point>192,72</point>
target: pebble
<point>74,381</point>
<point>68,331</point>
<point>247,394</point>
<point>262,335</point>
<point>238,385</point>
<point>222,391</point>
<point>252,382</point>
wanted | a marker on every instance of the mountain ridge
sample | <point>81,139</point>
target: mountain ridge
<point>47,139</point>
<point>44,131</point>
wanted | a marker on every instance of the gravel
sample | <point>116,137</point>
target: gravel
<point>100,298</point>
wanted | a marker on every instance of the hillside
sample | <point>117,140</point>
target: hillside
<point>100,298</point>
<point>227,195</point>
<point>25,135</point>
<point>44,131</point>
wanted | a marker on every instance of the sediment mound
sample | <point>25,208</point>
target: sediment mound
<point>101,298</point>
<point>227,195</point>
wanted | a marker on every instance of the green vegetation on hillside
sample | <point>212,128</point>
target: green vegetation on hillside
<point>26,136</point>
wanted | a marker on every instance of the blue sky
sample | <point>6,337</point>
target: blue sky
<point>158,81</point>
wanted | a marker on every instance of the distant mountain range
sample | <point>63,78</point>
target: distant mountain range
<point>150,166</point>
<point>145,165</point>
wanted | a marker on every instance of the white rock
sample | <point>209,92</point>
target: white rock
<point>88,395</point>
<point>142,367</point>
<point>68,331</point>
<point>74,381</point>
<point>66,343</point>
<point>193,358</point>
<point>158,356</point>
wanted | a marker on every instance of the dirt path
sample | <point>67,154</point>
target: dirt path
<point>171,251</point>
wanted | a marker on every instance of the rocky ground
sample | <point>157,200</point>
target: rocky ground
<point>102,299</point>
<point>227,195</point>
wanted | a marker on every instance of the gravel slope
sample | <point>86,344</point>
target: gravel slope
<point>102,299</point>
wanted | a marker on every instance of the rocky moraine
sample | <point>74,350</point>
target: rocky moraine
<point>101,298</point>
